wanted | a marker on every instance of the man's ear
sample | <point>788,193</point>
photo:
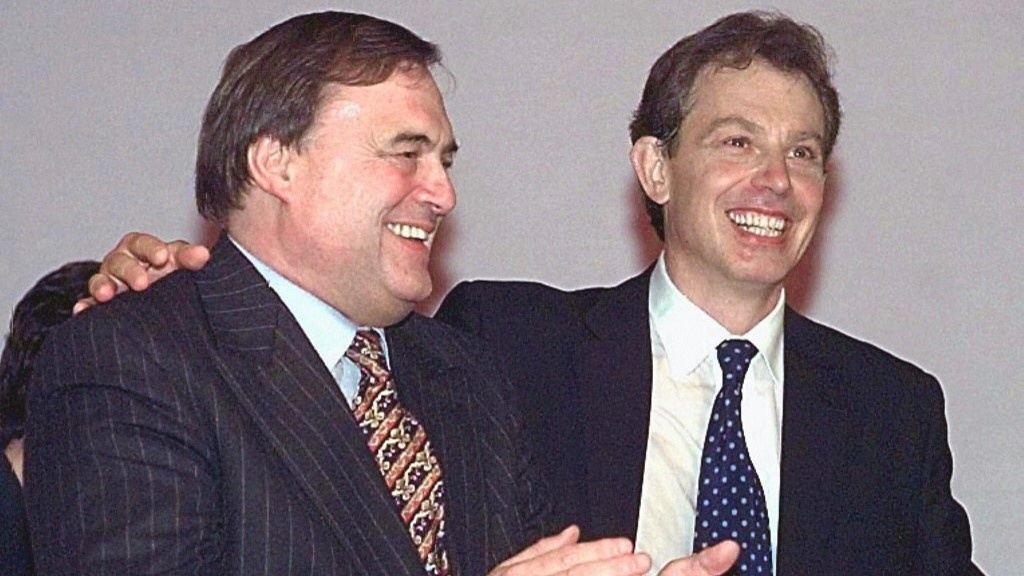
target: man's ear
<point>270,167</point>
<point>648,159</point>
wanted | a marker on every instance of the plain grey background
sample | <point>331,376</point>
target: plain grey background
<point>920,252</point>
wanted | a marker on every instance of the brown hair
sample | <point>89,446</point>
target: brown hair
<point>733,41</point>
<point>273,86</point>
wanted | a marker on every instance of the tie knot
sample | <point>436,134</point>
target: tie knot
<point>734,357</point>
<point>366,350</point>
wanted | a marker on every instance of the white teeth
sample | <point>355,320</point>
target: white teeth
<point>758,224</point>
<point>407,231</point>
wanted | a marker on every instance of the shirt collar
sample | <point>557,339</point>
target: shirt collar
<point>328,330</point>
<point>687,334</point>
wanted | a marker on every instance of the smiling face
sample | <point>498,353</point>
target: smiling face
<point>743,191</point>
<point>366,192</point>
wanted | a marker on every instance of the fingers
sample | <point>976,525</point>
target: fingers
<point>146,248</point>
<point>103,287</point>
<point>189,256</point>
<point>562,554</point>
<point>121,271</point>
<point>83,305</point>
<point>137,261</point>
<point>568,536</point>
<point>712,561</point>
<point>126,265</point>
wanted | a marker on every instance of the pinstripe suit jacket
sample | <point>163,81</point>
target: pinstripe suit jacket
<point>192,429</point>
<point>866,463</point>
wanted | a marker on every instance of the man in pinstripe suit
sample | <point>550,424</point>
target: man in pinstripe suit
<point>204,426</point>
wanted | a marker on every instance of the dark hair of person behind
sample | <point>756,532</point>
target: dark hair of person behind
<point>733,41</point>
<point>44,306</point>
<point>274,84</point>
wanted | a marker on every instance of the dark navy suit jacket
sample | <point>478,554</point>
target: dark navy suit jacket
<point>866,463</point>
<point>192,429</point>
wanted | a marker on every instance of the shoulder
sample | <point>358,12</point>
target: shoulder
<point>133,335</point>
<point>833,347</point>
<point>534,302</point>
<point>155,311</point>
<point>858,366</point>
<point>494,294</point>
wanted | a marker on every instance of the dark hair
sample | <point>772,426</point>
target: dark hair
<point>733,41</point>
<point>44,306</point>
<point>273,86</point>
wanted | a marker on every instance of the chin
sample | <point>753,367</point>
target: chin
<point>412,294</point>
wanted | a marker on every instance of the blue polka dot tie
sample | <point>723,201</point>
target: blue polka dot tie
<point>730,500</point>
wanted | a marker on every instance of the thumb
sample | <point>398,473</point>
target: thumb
<point>712,561</point>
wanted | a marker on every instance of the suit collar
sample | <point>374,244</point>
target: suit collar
<point>614,370</point>
<point>280,382</point>
<point>243,313</point>
<point>818,434</point>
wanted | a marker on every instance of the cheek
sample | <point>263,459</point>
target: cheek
<point>811,197</point>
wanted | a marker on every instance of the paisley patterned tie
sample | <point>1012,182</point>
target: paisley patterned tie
<point>402,451</point>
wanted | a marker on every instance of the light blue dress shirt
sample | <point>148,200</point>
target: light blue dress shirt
<point>328,330</point>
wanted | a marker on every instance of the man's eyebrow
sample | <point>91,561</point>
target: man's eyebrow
<point>751,126</point>
<point>421,139</point>
<point>410,138</point>
<point>740,121</point>
<point>810,135</point>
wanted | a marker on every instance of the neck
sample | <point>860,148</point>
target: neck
<point>361,308</point>
<point>738,307</point>
<point>739,315</point>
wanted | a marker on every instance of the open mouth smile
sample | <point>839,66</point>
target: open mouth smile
<point>409,232</point>
<point>758,224</point>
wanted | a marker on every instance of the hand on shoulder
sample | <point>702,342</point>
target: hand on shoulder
<point>138,260</point>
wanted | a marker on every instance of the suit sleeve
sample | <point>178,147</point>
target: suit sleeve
<point>944,534</point>
<point>118,474</point>
<point>469,307</point>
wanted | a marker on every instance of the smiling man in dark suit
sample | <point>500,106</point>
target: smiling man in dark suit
<point>731,143</point>
<point>282,411</point>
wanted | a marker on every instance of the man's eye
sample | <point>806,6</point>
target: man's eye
<point>737,142</point>
<point>804,153</point>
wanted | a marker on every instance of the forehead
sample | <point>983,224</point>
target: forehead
<point>759,92</point>
<point>408,101</point>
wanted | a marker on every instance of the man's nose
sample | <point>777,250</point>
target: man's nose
<point>773,173</point>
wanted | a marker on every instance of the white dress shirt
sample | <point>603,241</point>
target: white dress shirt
<point>328,330</point>
<point>686,379</point>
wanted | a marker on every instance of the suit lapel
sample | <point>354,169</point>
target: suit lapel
<point>614,373</point>
<point>436,391</point>
<point>818,431</point>
<point>295,405</point>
